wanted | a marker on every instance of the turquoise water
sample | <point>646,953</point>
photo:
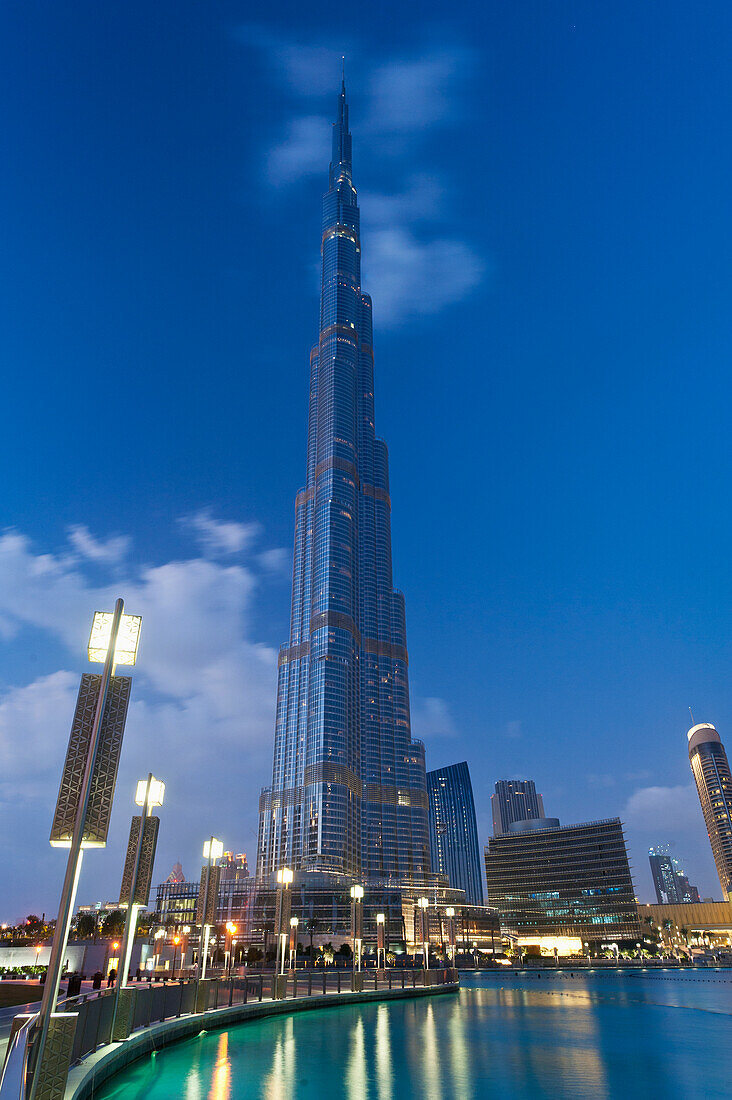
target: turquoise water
<point>519,1036</point>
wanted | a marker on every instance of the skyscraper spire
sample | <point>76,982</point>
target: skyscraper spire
<point>348,792</point>
<point>340,161</point>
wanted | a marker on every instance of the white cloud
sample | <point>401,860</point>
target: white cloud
<point>431,718</point>
<point>413,94</point>
<point>412,278</point>
<point>202,711</point>
<point>221,537</point>
<point>277,560</point>
<point>106,551</point>
<point>308,69</point>
<point>663,809</point>
<point>304,151</point>
<point>34,729</point>
<point>421,199</point>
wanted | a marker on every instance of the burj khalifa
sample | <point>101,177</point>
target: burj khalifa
<point>348,794</point>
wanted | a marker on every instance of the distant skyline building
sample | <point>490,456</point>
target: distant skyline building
<point>672,886</point>
<point>515,800</point>
<point>563,886</point>
<point>710,768</point>
<point>454,831</point>
<point>348,793</point>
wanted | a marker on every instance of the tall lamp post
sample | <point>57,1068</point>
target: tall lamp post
<point>208,894</point>
<point>137,876</point>
<point>176,941</point>
<point>87,789</point>
<point>380,941</point>
<point>423,904</point>
<point>450,914</point>
<point>293,942</point>
<point>357,926</point>
<point>282,916</point>
<point>231,929</point>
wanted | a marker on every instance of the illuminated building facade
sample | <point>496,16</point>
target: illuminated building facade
<point>669,881</point>
<point>348,793</point>
<point>515,800</point>
<point>710,767</point>
<point>453,830</point>
<point>571,882</point>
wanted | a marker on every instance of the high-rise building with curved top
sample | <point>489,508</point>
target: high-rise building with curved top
<point>348,791</point>
<point>710,767</point>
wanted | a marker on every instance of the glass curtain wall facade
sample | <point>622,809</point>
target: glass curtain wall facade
<point>453,830</point>
<point>568,881</point>
<point>710,768</point>
<point>348,791</point>
<point>515,800</point>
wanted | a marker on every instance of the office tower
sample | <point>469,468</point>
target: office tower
<point>348,793</point>
<point>670,883</point>
<point>515,800</point>
<point>568,883</point>
<point>711,772</point>
<point>453,830</point>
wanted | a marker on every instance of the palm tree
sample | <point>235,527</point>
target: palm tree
<point>311,927</point>
<point>685,933</point>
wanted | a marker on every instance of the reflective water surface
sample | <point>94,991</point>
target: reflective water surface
<point>506,1035</point>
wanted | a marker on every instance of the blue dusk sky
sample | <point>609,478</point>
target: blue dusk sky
<point>547,233</point>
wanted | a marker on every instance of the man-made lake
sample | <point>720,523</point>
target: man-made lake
<point>610,1034</point>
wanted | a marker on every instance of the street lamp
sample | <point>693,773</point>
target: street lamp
<point>357,925</point>
<point>231,929</point>
<point>423,904</point>
<point>87,784</point>
<point>213,849</point>
<point>380,941</point>
<point>293,942</point>
<point>450,914</point>
<point>176,941</point>
<point>282,916</point>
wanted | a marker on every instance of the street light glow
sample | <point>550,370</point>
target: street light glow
<point>128,638</point>
<point>423,902</point>
<point>379,918</point>
<point>450,912</point>
<point>357,892</point>
<point>284,876</point>
<point>294,921</point>
<point>157,792</point>
<point>213,849</point>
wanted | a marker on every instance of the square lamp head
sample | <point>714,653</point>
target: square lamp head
<point>357,893</point>
<point>128,638</point>
<point>213,849</point>
<point>157,792</point>
<point>423,902</point>
<point>449,912</point>
<point>379,918</point>
<point>284,876</point>
<point>294,921</point>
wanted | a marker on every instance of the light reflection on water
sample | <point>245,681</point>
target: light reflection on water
<point>521,1038</point>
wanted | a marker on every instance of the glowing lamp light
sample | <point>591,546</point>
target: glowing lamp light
<point>230,927</point>
<point>38,949</point>
<point>128,638</point>
<point>213,849</point>
<point>176,940</point>
<point>294,921</point>
<point>357,892</point>
<point>423,902</point>
<point>284,876</point>
<point>115,946</point>
<point>380,918</point>
<point>186,929</point>
<point>157,792</point>
<point>160,932</point>
<point>450,912</point>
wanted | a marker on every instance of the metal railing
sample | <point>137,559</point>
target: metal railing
<point>154,1004</point>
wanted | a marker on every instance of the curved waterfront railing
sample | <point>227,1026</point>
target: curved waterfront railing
<point>90,1023</point>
